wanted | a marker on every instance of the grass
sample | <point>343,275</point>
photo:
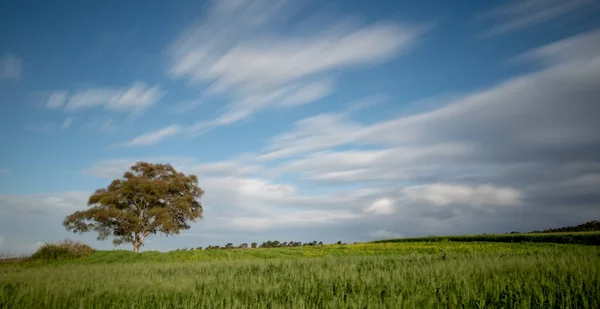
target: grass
<point>444,274</point>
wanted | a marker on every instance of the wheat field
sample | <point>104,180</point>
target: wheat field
<point>372,275</point>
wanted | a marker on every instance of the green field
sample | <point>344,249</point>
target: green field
<point>431,274</point>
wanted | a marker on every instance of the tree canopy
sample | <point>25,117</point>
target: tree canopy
<point>149,199</point>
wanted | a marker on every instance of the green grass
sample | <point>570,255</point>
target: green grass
<point>442,274</point>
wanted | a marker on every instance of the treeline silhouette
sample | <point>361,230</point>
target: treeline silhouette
<point>586,227</point>
<point>266,244</point>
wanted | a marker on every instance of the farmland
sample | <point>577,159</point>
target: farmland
<point>426,274</point>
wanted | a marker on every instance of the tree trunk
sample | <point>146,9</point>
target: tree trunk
<point>139,240</point>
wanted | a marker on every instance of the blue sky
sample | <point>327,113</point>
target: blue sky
<point>349,120</point>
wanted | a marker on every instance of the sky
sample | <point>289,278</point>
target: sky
<point>332,120</point>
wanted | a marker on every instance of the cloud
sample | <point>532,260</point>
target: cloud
<point>578,48</point>
<point>136,98</point>
<point>524,120</point>
<point>383,234</point>
<point>1,241</point>
<point>364,165</point>
<point>529,141</point>
<point>49,203</point>
<point>313,133</point>
<point>446,194</point>
<point>105,126</point>
<point>155,137</point>
<point>188,106</point>
<point>523,14</point>
<point>235,53</point>
<point>384,206</point>
<point>294,218</point>
<point>57,99</point>
<point>10,66</point>
<point>66,123</point>
<point>278,61</point>
<point>222,168</point>
<point>519,155</point>
<point>308,93</point>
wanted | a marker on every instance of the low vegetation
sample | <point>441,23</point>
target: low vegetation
<point>442,274</point>
<point>64,250</point>
<point>533,270</point>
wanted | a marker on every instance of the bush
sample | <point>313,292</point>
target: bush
<point>66,249</point>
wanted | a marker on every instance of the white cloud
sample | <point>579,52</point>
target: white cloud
<point>446,194</point>
<point>10,66</point>
<point>294,218</point>
<point>62,202</point>
<point>313,133</point>
<point>578,48</point>
<point>534,113</point>
<point>155,137</point>
<point>383,206</point>
<point>66,123</point>
<point>522,14</point>
<point>382,164</point>
<point>383,234</point>
<point>57,99</point>
<point>1,241</point>
<point>308,93</point>
<point>265,64</point>
<point>135,98</point>
<point>222,168</point>
<point>188,106</point>
<point>235,51</point>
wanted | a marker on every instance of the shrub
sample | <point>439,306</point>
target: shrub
<point>66,249</point>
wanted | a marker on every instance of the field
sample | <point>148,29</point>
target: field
<point>432,274</point>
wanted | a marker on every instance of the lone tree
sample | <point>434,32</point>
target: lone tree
<point>149,199</point>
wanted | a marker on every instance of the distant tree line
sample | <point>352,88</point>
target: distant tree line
<point>586,227</point>
<point>278,244</point>
<point>266,244</point>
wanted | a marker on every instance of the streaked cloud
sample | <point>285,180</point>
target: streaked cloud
<point>446,194</point>
<point>135,98</point>
<point>523,14</point>
<point>233,52</point>
<point>155,137</point>
<point>384,206</point>
<point>49,203</point>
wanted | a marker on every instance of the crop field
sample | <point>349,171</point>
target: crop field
<point>443,274</point>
